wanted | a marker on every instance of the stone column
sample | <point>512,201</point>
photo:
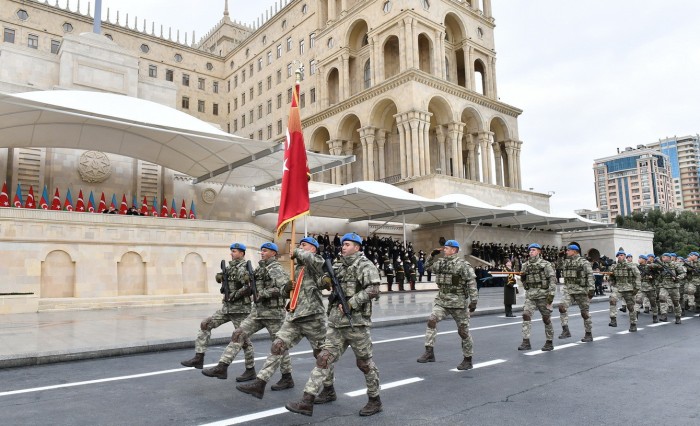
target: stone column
<point>412,60</point>
<point>402,144</point>
<point>442,162</point>
<point>335,147</point>
<point>498,162</point>
<point>455,130</point>
<point>348,167</point>
<point>484,149</point>
<point>475,5</point>
<point>403,46</point>
<point>414,144</point>
<point>494,91</point>
<point>426,141</point>
<point>381,156</point>
<point>363,142</point>
<point>469,69</point>
<point>487,8</point>
<point>373,60</point>
<point>516,165</point>
<point>344,78</point>
<point>367,138</point>
<point>437,69</point>
<point>473,172</point>
<point>460,148</point>
<point>343,7</point>
<point>332,13</point>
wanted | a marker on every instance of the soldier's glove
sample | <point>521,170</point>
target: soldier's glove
<point>219,277</point>
<point>221,290</point>
<point>288,287</point>
<point>472,307</point>
<point>591,293</point>
<point>326,282</point>
<point>243,292</point>
<point>434,253</point>
<point>550,299</point>
<point>523,277</point>
<point>275,292</point>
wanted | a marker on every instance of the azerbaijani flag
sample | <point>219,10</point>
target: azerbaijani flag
<point>68,204</point>
<point>173,209</point>
<point>91,203</point>
<point>44,202</point>
<point>18,197</point>
<point>193,213</point>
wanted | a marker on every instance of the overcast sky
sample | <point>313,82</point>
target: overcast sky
<point>591,76</point>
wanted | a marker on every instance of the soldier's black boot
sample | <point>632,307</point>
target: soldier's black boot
<point>654,319</point>
<point>623,308</point>
<point>466,364</point>
<point>220,371</point>
<point>565,332</point>
<point>428,355</point>
<point>663,318</point>
<point>613,322</point>
<point>326,395</point>
<point>525,346</point>
<point>373,406</point>
<point>588,337</point>
<point>548,346</point>
<point>286,382</point>
<point>678,320</point>
<point>197,361</point>
<point>305,406</point>
<point>248,375</point>
<point>255,388</point>
<point>646,310</point>
<point>633,328</point>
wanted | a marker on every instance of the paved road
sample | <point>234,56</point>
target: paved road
<point>647,378</point>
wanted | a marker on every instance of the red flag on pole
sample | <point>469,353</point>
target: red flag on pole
<point>294,201</point>
<point>4,198</point>
<point>123,207</point>
<point>80,204</point>
<point>183,210</point>
<point>30,203</point>
<point>164,208</point>
<point>103,204</point>
<point>144,207</point>
<point>154,208</point>
<point>56,202</point>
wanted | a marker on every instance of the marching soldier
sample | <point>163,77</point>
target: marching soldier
<point>579,286</point>
<point>670,274</point>
<point>692,267</point>
<point>539,280</point>
<point>648,288</point>
<point>456,283</point>
<point>267,312</point>
<point>359,280</point>
<point>627,280</point>
<point>234,309</point>
<point>306,317</point>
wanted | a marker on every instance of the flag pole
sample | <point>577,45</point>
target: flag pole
<point>291,249</point>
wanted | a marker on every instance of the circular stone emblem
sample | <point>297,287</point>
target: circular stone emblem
<point>208,195</point>
<point>94,167</point>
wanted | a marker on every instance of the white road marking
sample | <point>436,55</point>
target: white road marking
<point>595,339</point>
<point>386,386</point>
<point>658,324</point>
<point>484,364</point>
<point>556,348</point>
<point>248,417</point>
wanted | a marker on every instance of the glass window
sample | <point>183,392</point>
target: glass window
<point>279,100</point>
<point>243,76</point>
<point>264,40</point>
<point>228,86</point>
<point>289,70</point>
<point>242,121</point>
<point>304,9</point>
<point>301,47</point>
<point>242,99</point>
<point>289,44</point>
<point>251,93</point>
<point>269,131</point>
<point>312,40</point>
<point>9,35</point>
<point>269,58</point>
<point>152,71</point>
<point>260,64</point>
<point>200,106</point>
<point>210,66</point>
<point>269,106</point>
<point>251,69</point>
<point>259,111</point>
<point>33,41</point>
<point>228,108</point>
<point>200,83</point>
<point>178,57</point>
<point>185,79</point>
<point>250,114</point>
<point>235,104</point>
<point>215,109</point>
<point>260,134</point>
<point>185,102</point>
<point>109,36</point>
<point>269,82</point>
<point>235,125</point>
<point>145,48</point>
<point>312,95</point>
<point>289,95</point>
<point>387,6</point>
<point>368,75</point>
<point>279,127</point>
<point>215,87</point>
<point>55,45</point>
<point>259,88</point>
<point>426,4</point>
<point>312,67</point>
<point>330,42</point>
<point>235,81</point>
<point>169,75</point>
<point>279,50</point>
<point>67,27</point>
<point>22,14</point>
<point>302,100</point>
<point>279,76</point>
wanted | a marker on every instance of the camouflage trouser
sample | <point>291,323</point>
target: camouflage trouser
<point>613,298</point>
<point>337,341</point>
<point>628,298</point>
<point>584,303</point>
<point>214,321</point>
<point>291,333</point>
<point>663,300</point>
<point>646,299</point>
<point>461,317</point>
<point>691,289</point>
<point>675,296</point>
<point>528,309</point>
<point>248,327</point>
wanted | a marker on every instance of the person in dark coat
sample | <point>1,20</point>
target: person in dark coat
<point>509,291</point>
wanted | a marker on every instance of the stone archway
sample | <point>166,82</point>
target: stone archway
<point>319,143</point>
<point>382,119</point>
<point>445,139</point>
<point>471,144</point>
<point>194,274</point>
<point>348,133</point>
<point>131,275</point>
<point>57,275</point>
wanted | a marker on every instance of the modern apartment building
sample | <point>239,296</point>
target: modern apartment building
<point>684,155</point>
<point>633,180</point>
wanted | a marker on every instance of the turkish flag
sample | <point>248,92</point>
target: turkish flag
<point>4,198</point>
<point>123,207</point>
<point>80,204</point>
<point>30,203</point>
<point>56,202</point>
<point>183,210</point>
<point>164,208</point>
<point>103,204</point>
<point>294,201</point>
<point>144,207</point>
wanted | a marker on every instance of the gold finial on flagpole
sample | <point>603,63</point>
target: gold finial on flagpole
<point>299,71</point>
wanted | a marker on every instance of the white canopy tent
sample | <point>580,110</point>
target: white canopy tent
<point>140,129</point>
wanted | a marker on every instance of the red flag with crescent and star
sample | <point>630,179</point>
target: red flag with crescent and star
<point>4,198</point>
<point>30,203</point>
<point>56,202</point>
<point>294,201</point>
<point>80,204</point>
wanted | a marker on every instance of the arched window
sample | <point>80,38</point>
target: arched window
<point>367,75</point>
<point>447,69</point>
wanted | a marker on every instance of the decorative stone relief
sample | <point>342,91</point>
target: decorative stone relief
<point>208,195</point>
<point>94,167</point>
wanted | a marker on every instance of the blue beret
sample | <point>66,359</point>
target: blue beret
<point>310,240</point>
<point>651,255</point>
<point>641,256</point>
<point>238,246</point>
<point>270,246</point>
<point>534,245</point>
<point>451,243</point>
<point>573,247</point>
<point>666,254</point>
<point>694,253</point>
<point>351,236</point>
<point>673,255</point>
<point>619,252</point>
<point>628,255</point>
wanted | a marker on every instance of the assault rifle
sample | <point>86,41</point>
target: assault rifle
<point>337,295</point>
<point>224,281</point>
<point>670,272</point>
<point>692,268</point>
<point>251,281</point>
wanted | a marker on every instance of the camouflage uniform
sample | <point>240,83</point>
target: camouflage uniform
<point>579,286</point>
<point>456,283</point>
<point>692,282</point>
<point>268,312</point>
<point>540,285</point>
<point>308,319</point>
<point>234,310</point>
<point>627,280</point>
<point>359,279</point>
<point>669,275</point>
<point>647,291</point>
